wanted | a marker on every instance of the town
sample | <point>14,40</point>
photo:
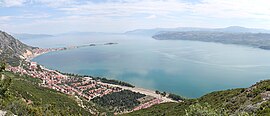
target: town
<point>84,87</point>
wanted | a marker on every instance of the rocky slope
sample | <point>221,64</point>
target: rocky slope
<point>12,50</point>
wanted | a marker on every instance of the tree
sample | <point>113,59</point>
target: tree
<point>2,66</point>
<point>157,92</point>
<point>4,86</point>
<point>163,93</point>
<point>175,97</point>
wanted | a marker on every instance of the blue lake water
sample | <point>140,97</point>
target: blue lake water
<point>187,68</point>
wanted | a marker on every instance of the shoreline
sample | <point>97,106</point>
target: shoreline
<point>148,92</point>
<point>41,51</point>
<point>134,89</point>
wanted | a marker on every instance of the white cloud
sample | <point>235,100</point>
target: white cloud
<point>151,17</point>
<point>127,8</point>
<point>204,8</point>
<point>50,3</point>
<point>123,15</point>
<point>55,3</point>
<point>32,16</point>
<point>4,18</point>
<point>258,9</point>
<point>225,9</point>
<point>11,3</point>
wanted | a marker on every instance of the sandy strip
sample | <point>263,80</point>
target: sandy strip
<point>145,91</point>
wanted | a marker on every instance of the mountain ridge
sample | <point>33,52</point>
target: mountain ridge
<point>12,50</point>
<point>230,29</point>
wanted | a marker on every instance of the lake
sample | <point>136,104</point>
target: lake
<point>187,68</point>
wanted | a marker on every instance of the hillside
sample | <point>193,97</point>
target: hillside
<point>242,101</point>
<point>12,49</point>
<point>21,95</point>
<point>258,40</point>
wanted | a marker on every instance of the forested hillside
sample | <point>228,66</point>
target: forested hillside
<point>254,100</point>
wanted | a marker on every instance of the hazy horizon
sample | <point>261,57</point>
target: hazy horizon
<point>97,32</point>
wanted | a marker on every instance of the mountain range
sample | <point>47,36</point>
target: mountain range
<point>231,29</point>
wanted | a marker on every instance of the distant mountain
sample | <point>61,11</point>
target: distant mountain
<point>144,31</point>
<point>158,30</point>
<point>258,40</point>
<point>238,29</point>
<point>232,29</point>
<point>12,49</point>
<point>85,33</point>
<point>31,36</point>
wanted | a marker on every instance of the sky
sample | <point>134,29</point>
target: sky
<point>61,16</point>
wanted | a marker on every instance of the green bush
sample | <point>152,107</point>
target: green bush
<point>204,110</point>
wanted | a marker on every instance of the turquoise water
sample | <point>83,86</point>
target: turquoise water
<point>188,68</point>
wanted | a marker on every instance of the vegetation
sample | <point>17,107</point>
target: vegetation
<point>241,102</point>
<point>204,110</point>
<point>175,97</point>
<point>161,93</point>
<point>104,80</point>
<point>164,109</point>
<point>157,92</point>
<point>2,66</point>
<point>116,82</point>
<point>119,101</point>
<point>264,109</point>
<point>25,97</point>
<point>5,86</point>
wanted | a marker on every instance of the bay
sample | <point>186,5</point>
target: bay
<point>187,68</point>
